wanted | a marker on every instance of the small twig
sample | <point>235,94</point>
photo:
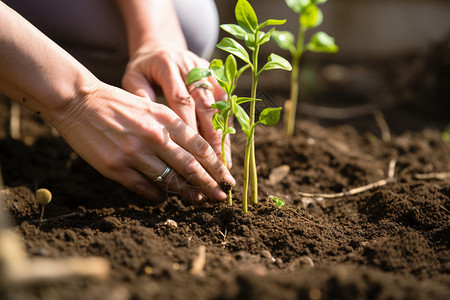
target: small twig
<point>354,191</point>
<point>198,264</point>
<point>72,214</point>
<point>437,175</point>
<point>383,125</point>
<point>391,171</point>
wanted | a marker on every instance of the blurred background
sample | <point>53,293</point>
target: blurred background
<point>393,54</point>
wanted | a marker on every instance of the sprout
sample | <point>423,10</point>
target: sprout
<point>278,201</point>
<point>43,196</point>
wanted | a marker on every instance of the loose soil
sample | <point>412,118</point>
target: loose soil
<point>391,242</point>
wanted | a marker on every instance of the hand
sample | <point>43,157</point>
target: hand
<point>168,67</point>
<point>132,140</point>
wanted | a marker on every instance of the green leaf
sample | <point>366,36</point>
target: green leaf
<point>322,42</point>
<point>218,72</point>
<point>218,122</point>
<point>285,40</point>
<point>275,61</point>
<point>311,17</point>
<point>278,201</point>
<point>231,46</point>
<point>270,116</point>
<point>230,68</point>
<point>297,5</point>
<point>265,37</point>
<point>241,100</point>
<point>235,30</point>
<point>246,16</point>
<point>196,74</point>
<point>318,1</point>
<point>221,105</point>
<point>271,22</point>
<point>230,130</point>
<point>242,118</point>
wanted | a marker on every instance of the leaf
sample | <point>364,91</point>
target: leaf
<point>231,46</point>
<point>230,68</point>
<point>297,5</point>
<point>270,116</point>
<point>242,118</point>
<point>265,37</point>
<point>322,42</point>
<point>230,130</point>
<point>196,74</point>
<point>217,70</point>
<point>218,121</point>
<point>221,105</point>
<point>246,16</point>
<point>278,201</point>
<point>311,17</point>
<point>271,22</point>
<point>235,30</point>
<point>285,40</point>
<point>241,100</point>
<point>275,61</point>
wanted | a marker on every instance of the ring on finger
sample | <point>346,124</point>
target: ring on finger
<point>200,84</point>
<point>163,175</point>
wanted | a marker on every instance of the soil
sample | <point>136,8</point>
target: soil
<point>389,242</point>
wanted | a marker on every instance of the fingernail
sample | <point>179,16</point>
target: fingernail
<point>228,178</point>
<point>219,195</point>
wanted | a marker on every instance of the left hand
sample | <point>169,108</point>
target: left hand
<point>168,67</point>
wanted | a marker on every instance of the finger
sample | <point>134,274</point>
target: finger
<point>141,185</point>
<point>178,97</point>
<point>203,100</point>
<point>137,84</point>
<point>172,183</point>
<point>219,93</point>
<point>195,160</point>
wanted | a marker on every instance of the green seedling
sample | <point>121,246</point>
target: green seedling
<point>310,17</point>
<point>446,134</point>
<point>250,31</point>
<point>278,201</point>
<point>227,76</point>
<point>43,197</point>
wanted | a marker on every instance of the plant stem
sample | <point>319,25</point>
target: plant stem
<point>246,173</point>
<point>41,218</point>
<point>253,171</point>
<point>224,157</point>
<point>290,126</point>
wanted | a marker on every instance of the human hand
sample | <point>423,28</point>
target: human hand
<point>168,67</point>
<point>132,140</point>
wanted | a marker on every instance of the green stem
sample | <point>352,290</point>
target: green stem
<point>224,157</point>
<point>253,171</point>
<point>290,126</point>
<point>246,173</point>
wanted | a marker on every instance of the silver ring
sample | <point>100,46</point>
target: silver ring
<point>163,175</point>
<point>202,84</point>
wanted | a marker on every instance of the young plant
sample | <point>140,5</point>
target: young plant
<point>250,31</point>
<point>43,197</point>
<point>278,201</point>
<point>310,17</point>
<point>227,76</point>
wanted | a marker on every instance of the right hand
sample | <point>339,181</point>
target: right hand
<point>132,140</point>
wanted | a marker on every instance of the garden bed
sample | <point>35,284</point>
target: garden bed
<point>389,242</point>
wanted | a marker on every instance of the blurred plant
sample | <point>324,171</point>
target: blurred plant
<point>278,201</point>
<point>446,134</point>
<point>310,17</point>
<point>43,197</point>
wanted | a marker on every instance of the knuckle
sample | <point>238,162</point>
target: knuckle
<point>182,99</point>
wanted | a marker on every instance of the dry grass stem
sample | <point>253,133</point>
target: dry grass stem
<point>198,264</point>
<point>437,175</point>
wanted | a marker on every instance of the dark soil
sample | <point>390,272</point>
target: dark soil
<point>391,242</point>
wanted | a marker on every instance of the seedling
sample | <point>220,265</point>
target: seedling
<point>278,201</point>
<point>250,31</point>
<point>310,17</point>
<point>43,197</point>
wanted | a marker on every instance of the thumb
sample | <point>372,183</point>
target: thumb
<point>137,84</point>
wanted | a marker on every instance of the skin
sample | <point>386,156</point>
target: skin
<point>123,134</point>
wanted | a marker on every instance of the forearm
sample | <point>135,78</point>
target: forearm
<point>151,23</point>
<point>36,71</point>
